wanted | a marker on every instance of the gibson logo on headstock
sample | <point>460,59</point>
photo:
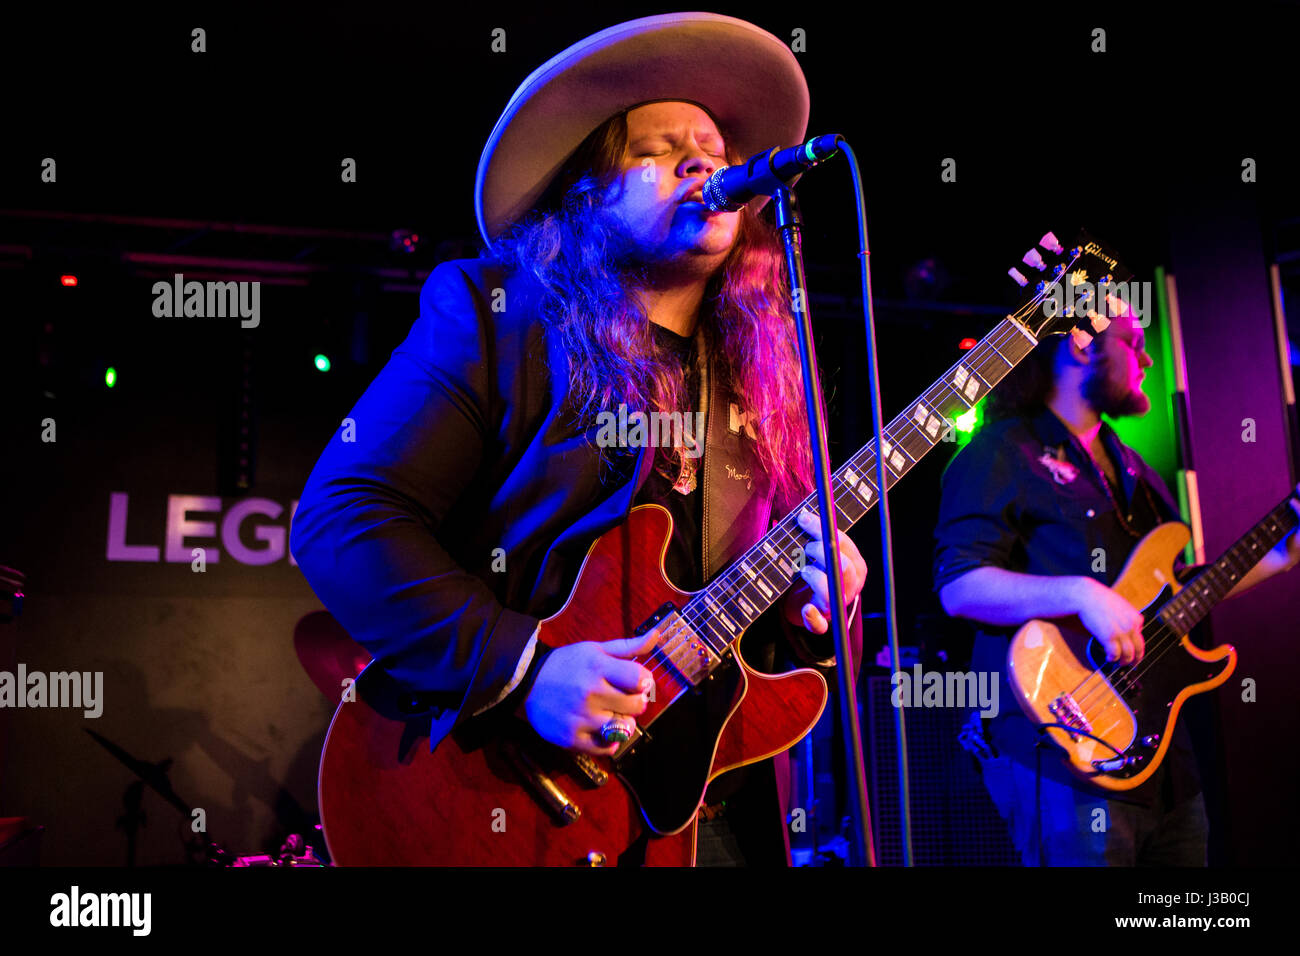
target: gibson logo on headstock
<point>1093,249</point>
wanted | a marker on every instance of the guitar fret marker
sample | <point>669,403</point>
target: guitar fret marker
<point>717,610</point>
<point>863,489</point>
<point>779,559</point>
<point>895,459</point>
<point>758,581</point>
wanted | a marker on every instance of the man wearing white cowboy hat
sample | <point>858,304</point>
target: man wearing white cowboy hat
<point>606,286</point>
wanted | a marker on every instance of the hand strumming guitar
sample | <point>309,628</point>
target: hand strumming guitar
<point>1111,619</point>
<point>580,686</point>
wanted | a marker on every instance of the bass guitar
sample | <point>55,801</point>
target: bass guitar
<point>1114,722</point>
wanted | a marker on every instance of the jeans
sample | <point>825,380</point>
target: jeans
<point>1080,829</point>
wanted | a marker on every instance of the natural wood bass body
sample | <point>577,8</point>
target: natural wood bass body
<point>1053,669</point>
<point>386,800</point>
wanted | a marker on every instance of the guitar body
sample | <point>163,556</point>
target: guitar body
<point>515,800</point>
<point>1057,672</point>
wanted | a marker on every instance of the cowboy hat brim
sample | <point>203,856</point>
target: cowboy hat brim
<point>744,76</point>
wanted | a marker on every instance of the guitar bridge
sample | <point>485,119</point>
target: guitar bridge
<point>1067,712</point>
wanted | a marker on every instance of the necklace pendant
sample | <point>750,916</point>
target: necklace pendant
<point>686,480</point>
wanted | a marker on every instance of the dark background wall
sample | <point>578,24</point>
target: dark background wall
<point>226,165</point>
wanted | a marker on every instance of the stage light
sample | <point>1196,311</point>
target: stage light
<point>110,376</point>
<point>68,281</point>
<point>404,240</point>
<point>322,362</point>
<point>966,422</point>
<point>967,344</point>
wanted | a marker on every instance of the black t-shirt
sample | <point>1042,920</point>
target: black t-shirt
<point>1025,496</point>
<point>684,561</point>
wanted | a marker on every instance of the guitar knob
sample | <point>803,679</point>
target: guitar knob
<point>1050,243</point>
<point>1150,740</point>
<point>1034,259</point>
<point>1019,277</point>
<point>595,858</point>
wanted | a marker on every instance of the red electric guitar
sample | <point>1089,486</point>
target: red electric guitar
<point>517,800</point>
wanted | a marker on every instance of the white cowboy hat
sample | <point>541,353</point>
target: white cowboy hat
<point>744,76</point>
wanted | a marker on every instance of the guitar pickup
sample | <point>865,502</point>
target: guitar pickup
<point>685,655</point>
<point>668,607</point>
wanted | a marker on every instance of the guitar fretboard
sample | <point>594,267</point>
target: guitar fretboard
<point>1199,596</point>
<point>733,600</point>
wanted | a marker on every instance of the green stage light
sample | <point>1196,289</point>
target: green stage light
<point>322,363</point>
<point>967,424</point>
<point>110,377</point>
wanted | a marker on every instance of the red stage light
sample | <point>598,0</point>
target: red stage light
<point>68,280</point>
<point>967,344</point>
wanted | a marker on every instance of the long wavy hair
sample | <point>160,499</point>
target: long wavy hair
<point>587,271</point>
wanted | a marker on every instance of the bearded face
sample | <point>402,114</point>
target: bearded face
<point>1118,365</point>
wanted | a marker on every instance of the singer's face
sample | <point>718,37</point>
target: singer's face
<point>672,148</point>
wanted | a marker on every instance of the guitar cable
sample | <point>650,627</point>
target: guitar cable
<point>1038,774</point>
<point>1082,733</point>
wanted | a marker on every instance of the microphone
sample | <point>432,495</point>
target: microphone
<point>730,187</point>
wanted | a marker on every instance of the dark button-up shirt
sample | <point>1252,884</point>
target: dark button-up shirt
<point>1025,496</point>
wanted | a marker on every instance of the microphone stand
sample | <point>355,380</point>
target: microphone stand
<point>790,226</point>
